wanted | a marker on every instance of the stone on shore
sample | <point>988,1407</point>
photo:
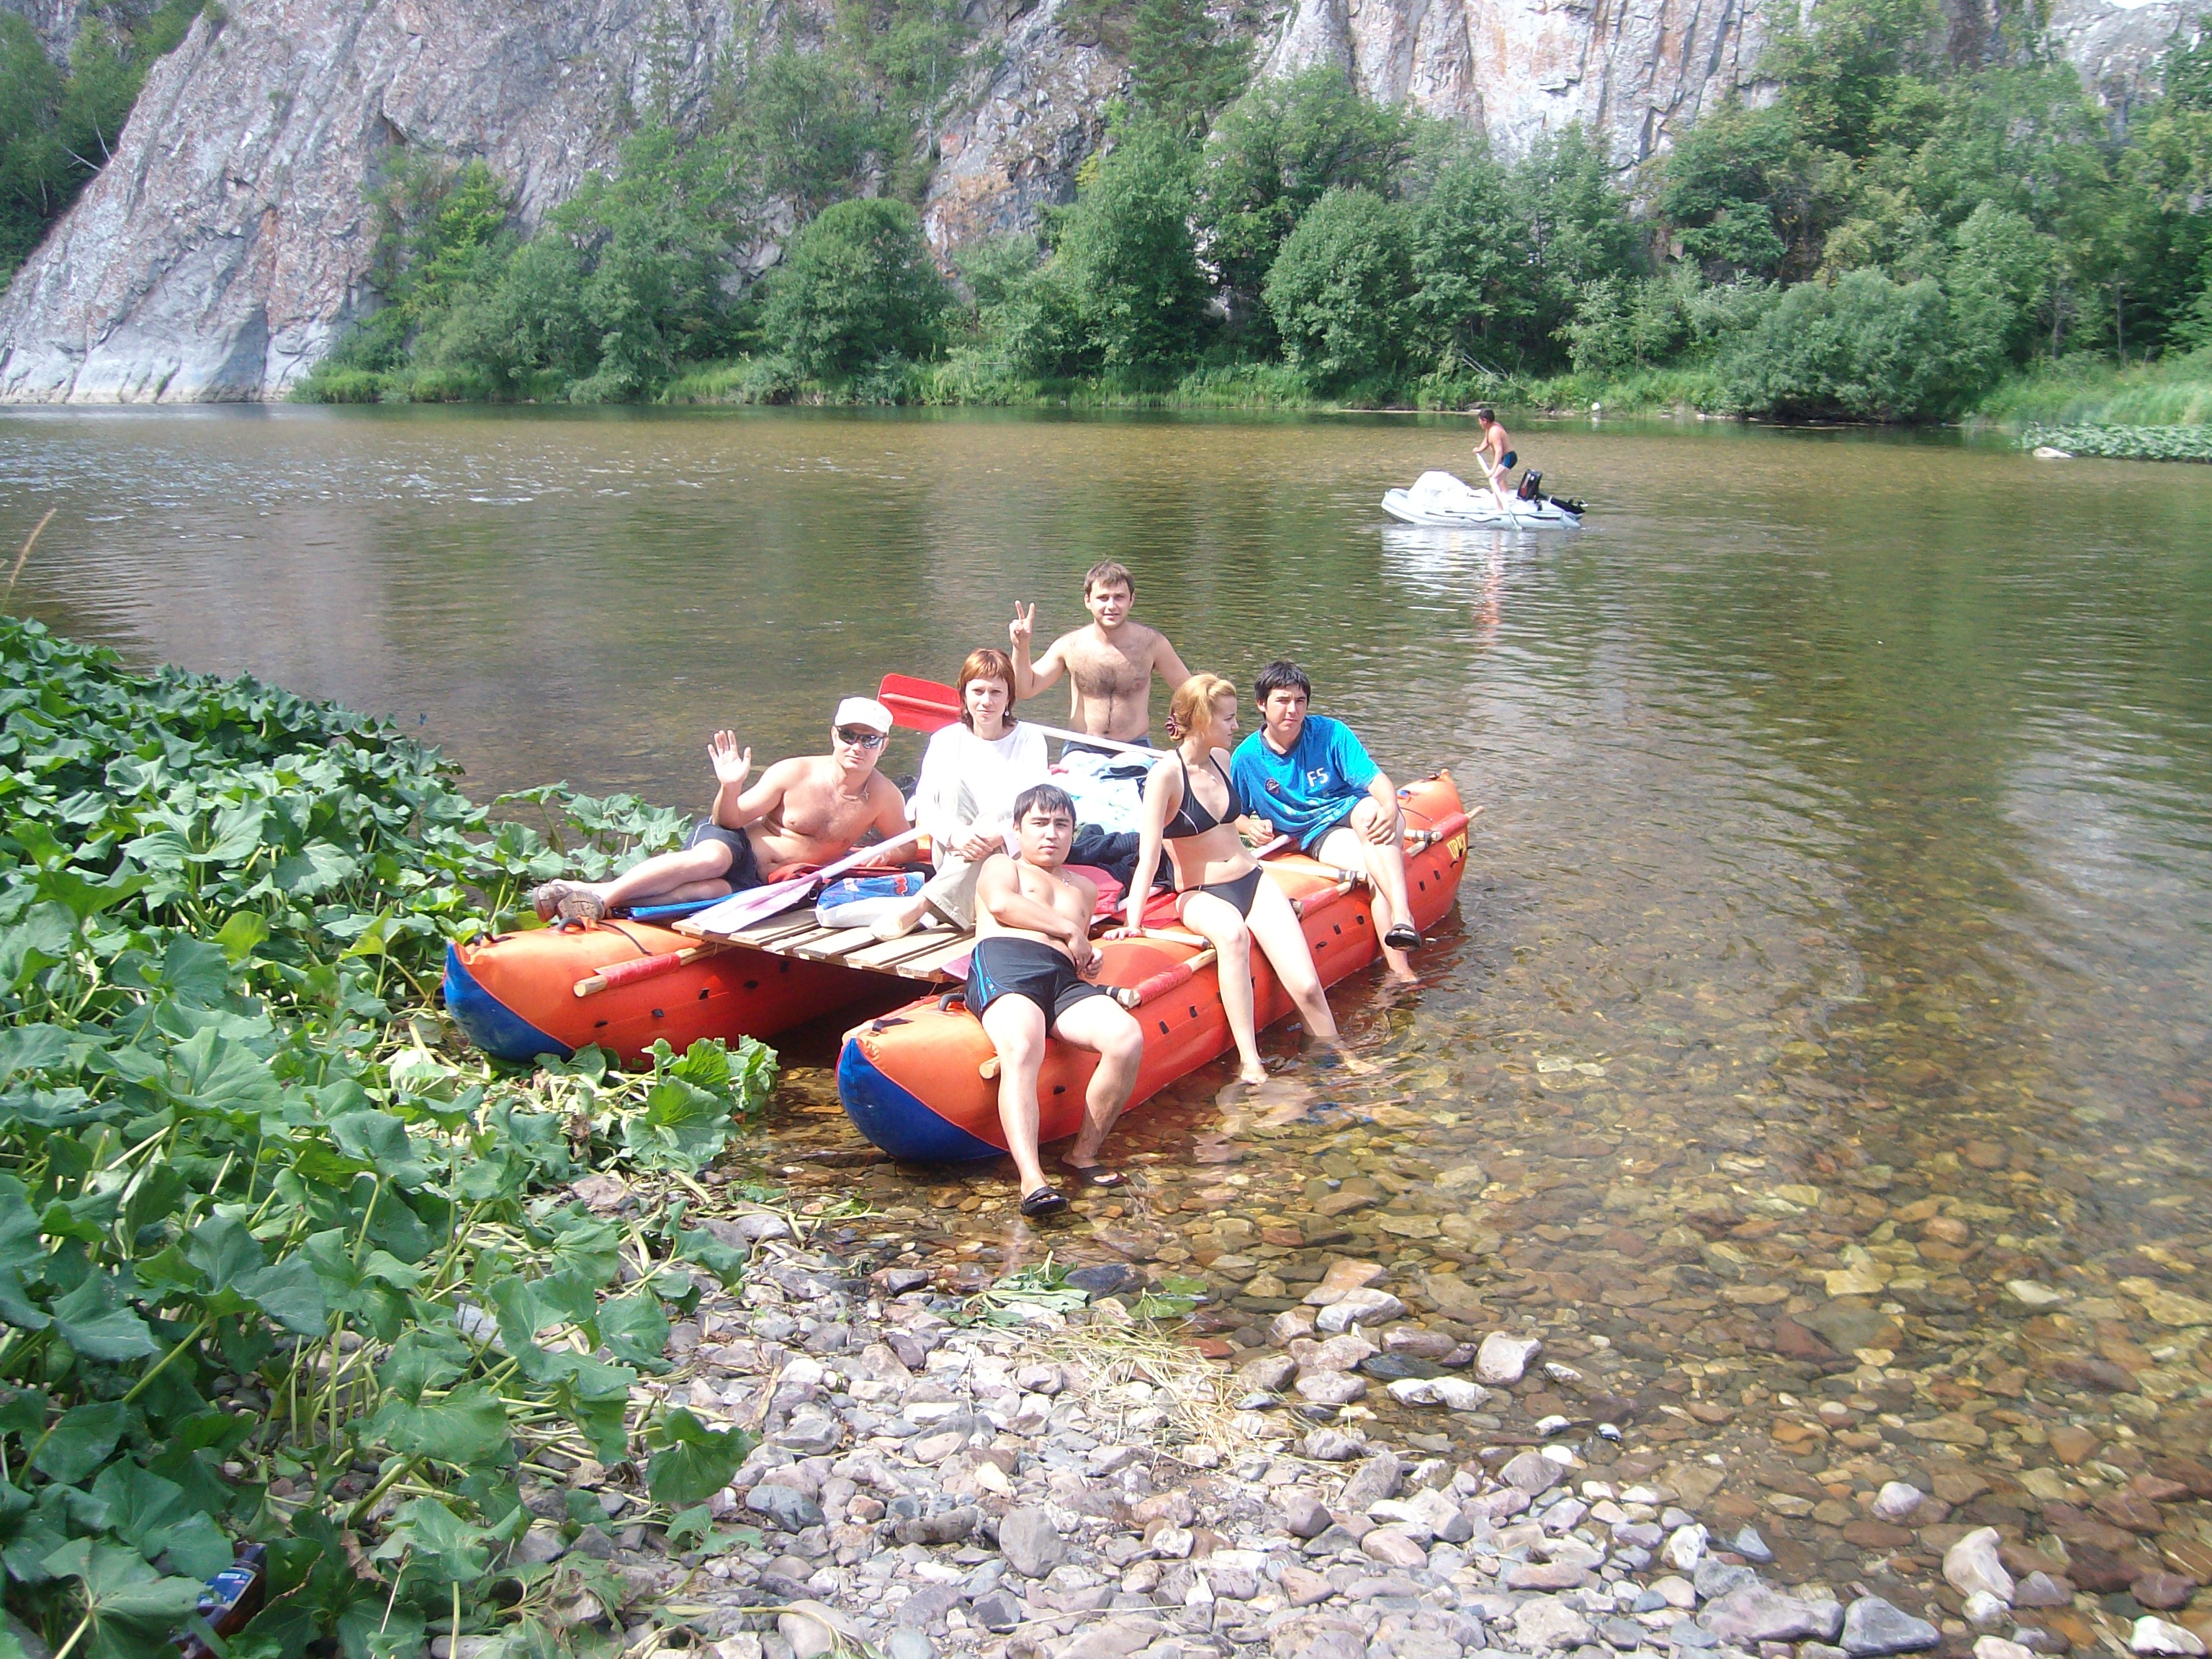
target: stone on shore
<point>1971,1564</point>
<point>1503,1357</point>
<point>1874,1629</point>
<point>1757,1614</point>
<point>1030,1543</point>
<point>2153,1635</point>
<point>1544,1625</point>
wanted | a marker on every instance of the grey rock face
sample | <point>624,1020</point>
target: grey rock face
<point>225,248</point>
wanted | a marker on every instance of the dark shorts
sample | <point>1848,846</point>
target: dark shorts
<point>1240,892</point>
<point>1509,460</point>
<point>1025,967</point>
<point>744,869</point>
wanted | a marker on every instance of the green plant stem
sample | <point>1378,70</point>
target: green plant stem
<point>82,1624</point>
<point>162,1365</point>
<point>400,1471</point>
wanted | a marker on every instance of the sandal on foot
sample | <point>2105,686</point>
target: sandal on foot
<point>581,904</point>
<point>1094,1174</point>
<point>545,899</point>
<point>1402,938</point>
<point>1042,1202</point>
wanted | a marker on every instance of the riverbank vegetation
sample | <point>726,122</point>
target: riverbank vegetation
<point>1923,222</point>
<point>274,1263</point>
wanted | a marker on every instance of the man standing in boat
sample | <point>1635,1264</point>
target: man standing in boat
<point>1026,980</point>
<point>805,810</point>
<point>1308,775</point>
<point>1495,454</point>
<point>1109,665</point>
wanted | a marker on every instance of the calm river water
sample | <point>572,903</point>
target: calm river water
<point>1820,1060</point>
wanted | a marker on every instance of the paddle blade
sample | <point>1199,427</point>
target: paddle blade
<point>919,705</point>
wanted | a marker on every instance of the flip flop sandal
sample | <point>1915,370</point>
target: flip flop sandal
<point>1042,1202</point>
<point>1095,1175</point>
<point>1402,938</point>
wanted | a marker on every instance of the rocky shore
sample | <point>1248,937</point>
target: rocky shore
<point>1037,1472</point>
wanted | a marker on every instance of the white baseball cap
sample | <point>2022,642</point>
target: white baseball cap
<point>863,711</point>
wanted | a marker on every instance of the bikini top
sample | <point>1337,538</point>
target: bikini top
<point>1192,817</point>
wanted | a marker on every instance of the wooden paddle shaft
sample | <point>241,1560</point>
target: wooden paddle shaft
<point>628,973</point>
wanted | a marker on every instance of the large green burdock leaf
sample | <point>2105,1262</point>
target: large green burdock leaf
<point>81,1441</point>
<point>633,1327</point>
<point>151,1514</point>
<point>131,1607</point>
<point>208,1071</point>
<point>92,1320</point>
<point>696,1461</point>
<point>467,1427</point>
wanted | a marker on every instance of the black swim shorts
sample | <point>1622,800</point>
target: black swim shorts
<point>1025,967</point>
<point>744,868</point>
<point>1508,460</point>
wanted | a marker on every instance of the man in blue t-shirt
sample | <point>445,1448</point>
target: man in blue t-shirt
<point>1307,775</point>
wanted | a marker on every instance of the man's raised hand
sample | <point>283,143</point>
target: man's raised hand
<point>1024,625</point>
<point>733,765</point>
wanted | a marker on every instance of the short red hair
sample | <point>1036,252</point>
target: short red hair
<point>986,663</point>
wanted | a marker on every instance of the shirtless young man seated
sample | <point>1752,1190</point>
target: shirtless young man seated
<point>1109,665</point>
<point>1026,980</point>
<point>808,810</point>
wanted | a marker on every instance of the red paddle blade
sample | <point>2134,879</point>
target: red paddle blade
<point>919,705</point>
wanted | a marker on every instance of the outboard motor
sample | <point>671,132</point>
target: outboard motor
<point>1532,485</point>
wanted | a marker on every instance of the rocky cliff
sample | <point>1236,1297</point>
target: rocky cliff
<point>223,249</point>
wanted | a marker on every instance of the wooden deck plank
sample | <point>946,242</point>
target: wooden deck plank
<point>834,947</point>
<point>933,964</point>
<point>886,957</point>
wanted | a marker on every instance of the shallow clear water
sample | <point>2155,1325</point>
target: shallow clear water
<point>1835,944</point>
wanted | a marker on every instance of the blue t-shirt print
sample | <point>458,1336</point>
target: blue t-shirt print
<point>1310,790</point>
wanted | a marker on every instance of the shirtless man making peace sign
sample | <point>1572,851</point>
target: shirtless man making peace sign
<point>1109,665</point>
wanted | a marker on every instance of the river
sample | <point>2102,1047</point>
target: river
<point>1819,1060</point>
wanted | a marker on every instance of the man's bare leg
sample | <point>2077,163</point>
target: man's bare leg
<point>1015,1028</point>
<point>678,878</point>
<point>1101,1024</point>
<point>1384,866</point>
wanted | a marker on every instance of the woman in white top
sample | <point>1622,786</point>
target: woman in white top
<point>965,803</point>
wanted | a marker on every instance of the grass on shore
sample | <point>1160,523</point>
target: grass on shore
<point>2084,389</point>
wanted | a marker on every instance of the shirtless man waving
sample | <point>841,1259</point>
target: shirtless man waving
<point>1026,980</point>
<point>808,810</point>
<point>1109,665</point>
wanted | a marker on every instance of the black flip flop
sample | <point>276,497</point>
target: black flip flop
<point>1042,1202</point>
<point>1402,938</point>
<point>1095,1174</point>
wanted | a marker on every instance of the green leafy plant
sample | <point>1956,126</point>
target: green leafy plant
<point>276,1262</point>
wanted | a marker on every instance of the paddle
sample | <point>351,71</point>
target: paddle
<point>741,910</point>
<point>926,706</point>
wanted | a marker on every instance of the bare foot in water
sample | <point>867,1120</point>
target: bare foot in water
<point>1252,1076</point>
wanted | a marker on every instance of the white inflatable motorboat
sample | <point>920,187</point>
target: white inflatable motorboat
<point>1443,501</point>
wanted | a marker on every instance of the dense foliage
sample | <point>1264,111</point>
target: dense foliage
<point>275,1264</point>
<point>1922,211</point>
<point>57,125</point>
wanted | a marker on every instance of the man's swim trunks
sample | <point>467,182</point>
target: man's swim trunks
<point>744,868</point>
<point>1025,967</point>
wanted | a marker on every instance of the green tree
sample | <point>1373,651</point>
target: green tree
<point>1867,348</point>
<point>1736,196</point>
<point>1578,228</point>
<point>1125,253</point>
<point>808,127</point>
<point>1338,289</point>
<point>1275,153</point>
<point>857,288</point>
<point>1472,297</point>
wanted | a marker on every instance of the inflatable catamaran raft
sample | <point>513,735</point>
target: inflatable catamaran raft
<point>920,1082</point>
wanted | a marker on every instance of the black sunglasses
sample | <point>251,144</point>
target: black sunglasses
<point>860,738</point>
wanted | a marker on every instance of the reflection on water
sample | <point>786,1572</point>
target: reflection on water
<point>1819,1060</point>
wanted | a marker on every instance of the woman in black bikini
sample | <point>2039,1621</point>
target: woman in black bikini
<point>1225,897</point>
